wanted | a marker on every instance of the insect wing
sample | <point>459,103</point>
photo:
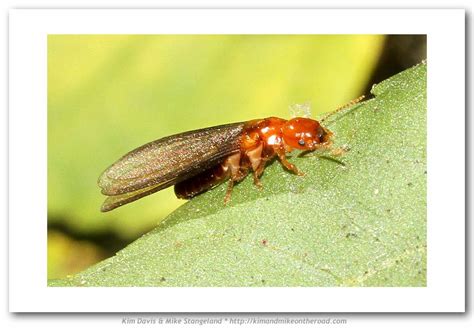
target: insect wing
<point>113,202</point>
<point>168,160</point>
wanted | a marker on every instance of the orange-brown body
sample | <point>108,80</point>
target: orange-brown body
<point>261,141</point>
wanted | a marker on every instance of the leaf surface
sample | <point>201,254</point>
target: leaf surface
<point>358,219</point>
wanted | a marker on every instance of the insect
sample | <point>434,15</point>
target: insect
<point>196,161</point>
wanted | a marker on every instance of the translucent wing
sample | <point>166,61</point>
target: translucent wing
<point>166,161</point>
<point>115,201</point>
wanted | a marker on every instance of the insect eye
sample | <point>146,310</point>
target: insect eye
<point>301,142</point>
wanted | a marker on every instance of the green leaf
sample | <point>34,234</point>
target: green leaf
<point>354,220</point>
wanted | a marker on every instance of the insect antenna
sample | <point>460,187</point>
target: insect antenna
<point>347,105</point>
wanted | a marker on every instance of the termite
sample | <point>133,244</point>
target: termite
<point>196,161</point>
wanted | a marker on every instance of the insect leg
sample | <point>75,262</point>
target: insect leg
<point>232,163</point>
<point>257,163</point>
<point>339,151</point>
<point>288,165</point>
<point>258,172</point>
<point>228,193</point>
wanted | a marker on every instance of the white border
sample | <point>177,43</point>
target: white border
<point>28,161</point>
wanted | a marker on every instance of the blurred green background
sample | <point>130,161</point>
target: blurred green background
<point>108,94</point>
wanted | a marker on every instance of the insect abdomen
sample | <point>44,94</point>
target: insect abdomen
<point>201,182</point>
